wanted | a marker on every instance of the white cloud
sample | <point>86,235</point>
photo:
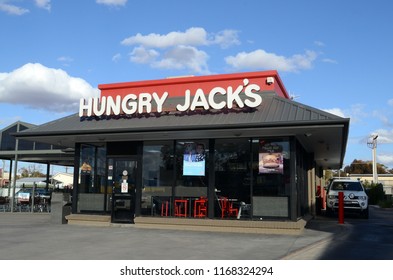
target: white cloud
<point>43,4</point>
<point>167,51</point>
<point>66,60</point>
<point>143,56</point>
<point>356,112</point>
<point>226,38</point>
<point>384,136</point>
<point>384,141</point>
<point>336,111</point>
<point>116,57</point>
<point>384,144</point>
<point>194,36</point>
<point>386,120</point>
<point>386,159</point>
<point>37,86</point>
<point>112,2</point>
<point>385,116</point>
<point>184,57</point>
<point>328,60</point>
<point>261,59</point>
<point>319,43</point>
<point>12,9</point>
<point>178,50</point>
<point>390,102</point>
<point>17,10</point>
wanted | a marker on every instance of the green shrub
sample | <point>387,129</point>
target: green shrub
<point>385,203</point>
<point>375,193</point>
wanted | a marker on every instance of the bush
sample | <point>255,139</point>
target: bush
<point>387,203</point>
<point>375,193</point>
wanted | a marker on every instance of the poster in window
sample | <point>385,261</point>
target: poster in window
<point>86,168</point>
<point>194,160</point>
<point>270,158</point>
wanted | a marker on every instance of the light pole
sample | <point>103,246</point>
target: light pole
<point>372,143</point>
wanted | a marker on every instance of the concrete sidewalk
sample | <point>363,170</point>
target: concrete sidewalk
<point>28,236</point>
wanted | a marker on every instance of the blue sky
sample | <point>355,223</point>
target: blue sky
<point>331,55</point>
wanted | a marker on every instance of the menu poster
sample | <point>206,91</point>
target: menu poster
<point>194,160</point>
<point>270,158</point>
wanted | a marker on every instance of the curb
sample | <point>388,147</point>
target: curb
<point>314,250</point>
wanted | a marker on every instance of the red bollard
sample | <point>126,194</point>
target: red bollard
<point>340,207</point>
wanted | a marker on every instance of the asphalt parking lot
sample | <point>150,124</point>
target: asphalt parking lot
<point>28,236</point>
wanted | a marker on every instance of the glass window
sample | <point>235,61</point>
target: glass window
<point>271,177</point>
<point>25,145</point>
<point>271,167</point>
<point>190,198</point>
<point>232,178</point>
<point>87,159</point>
<point>42,146</point>
<point>7,140</point>
<point>100,179</point>
<point>91,189</point>
<point>157,178</point>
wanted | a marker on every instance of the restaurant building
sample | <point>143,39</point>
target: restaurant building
<point>232,146</point>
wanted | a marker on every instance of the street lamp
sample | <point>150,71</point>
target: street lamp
<point>372,143</point>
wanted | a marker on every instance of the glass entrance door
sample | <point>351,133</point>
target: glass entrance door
<point>122,175</point>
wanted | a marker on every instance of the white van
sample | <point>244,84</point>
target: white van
<point>355,197</point>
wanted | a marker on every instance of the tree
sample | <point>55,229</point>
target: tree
<point>364,167</point>
<point>32,170</point>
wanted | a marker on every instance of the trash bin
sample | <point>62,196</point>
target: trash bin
<point>122,208</point>
<point>60,208</point>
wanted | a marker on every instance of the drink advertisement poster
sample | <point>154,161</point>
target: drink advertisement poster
<point>194,160</point>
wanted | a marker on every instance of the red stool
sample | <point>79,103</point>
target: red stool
<point>200,208</point>
<point>164,208</point>
<point>227,209</point>
<point>181,207</point>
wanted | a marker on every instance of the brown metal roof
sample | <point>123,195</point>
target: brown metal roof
<point>321,133</point>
